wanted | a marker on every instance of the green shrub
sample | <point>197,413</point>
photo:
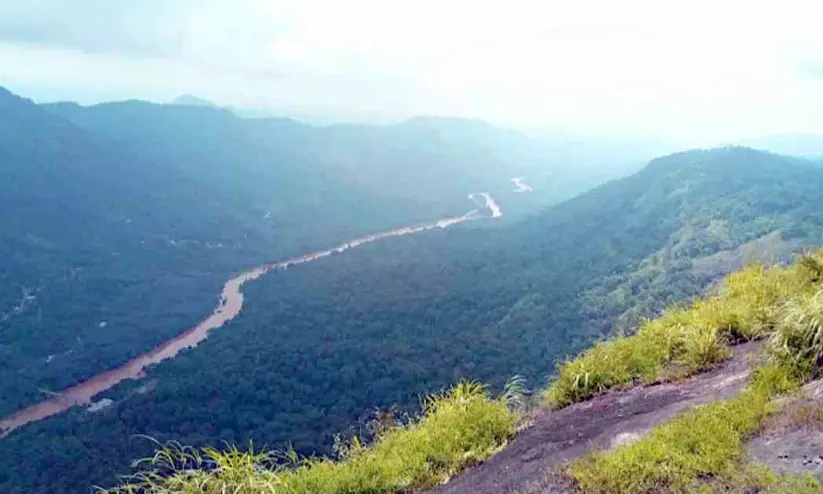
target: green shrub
<point>702,347</point>
<point>458,428</point>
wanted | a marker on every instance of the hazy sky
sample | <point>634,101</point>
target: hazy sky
<point>696,69</point>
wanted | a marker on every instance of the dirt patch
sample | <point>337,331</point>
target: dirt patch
<point>603,422</point>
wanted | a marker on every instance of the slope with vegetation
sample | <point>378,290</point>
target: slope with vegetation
<point>701,449</point>
<point>459,427</point>
<point>706,446</point>
<point>93,239</point>
<point>322,345</point>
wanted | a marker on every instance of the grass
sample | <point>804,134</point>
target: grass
<point>706,443</point>
<point>749,305</point>
<point>752,478</point>
<point>457,429</point>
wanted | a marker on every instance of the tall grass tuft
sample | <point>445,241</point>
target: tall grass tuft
<point>458,428</point>
<point>175,468</point>
<point>798,340</point>
<point>516,394</point>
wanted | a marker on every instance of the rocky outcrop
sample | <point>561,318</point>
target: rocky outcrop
<point>606,421</point>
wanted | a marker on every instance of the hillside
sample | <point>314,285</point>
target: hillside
<point>382,324</point>
<point>702,434</point>
<point>95,230</point>
<point>672,430</point>
<point>605,422</point>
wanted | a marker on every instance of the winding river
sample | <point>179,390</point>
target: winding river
<point>229,306</point>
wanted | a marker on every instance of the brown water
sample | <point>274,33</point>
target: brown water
<point>230,305</point>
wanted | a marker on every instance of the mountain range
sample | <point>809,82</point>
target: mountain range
<point>131,204</point>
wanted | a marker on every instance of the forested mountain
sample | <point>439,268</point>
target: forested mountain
<point>422,168</point>
<point>109,248</point>
<point>90,232</point>
<point>319,347</point>
<point>123,219</point>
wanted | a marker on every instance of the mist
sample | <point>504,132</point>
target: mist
<point>697,74</point>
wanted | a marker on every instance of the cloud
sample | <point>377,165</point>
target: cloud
<point>145,27</point>
<point>701,68</point>
<point>199,31</point>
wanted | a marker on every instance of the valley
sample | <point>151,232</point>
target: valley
<point>230,305</point>
<point>137,205</point>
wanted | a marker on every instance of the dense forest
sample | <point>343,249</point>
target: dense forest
<point>320,347</point>
<point>107,251</point>
<point>123,220</point>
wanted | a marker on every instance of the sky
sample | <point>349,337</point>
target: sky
<point>697,70</point>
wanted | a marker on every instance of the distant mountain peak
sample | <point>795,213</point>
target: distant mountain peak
<point>191,100</point>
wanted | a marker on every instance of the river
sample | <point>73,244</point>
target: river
<point>521,186</point>
<point>229,306</point>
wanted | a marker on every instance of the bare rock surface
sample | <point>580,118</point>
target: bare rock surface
<point>799,451</point>
<point>793,441</point>
<point>605,421</point>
